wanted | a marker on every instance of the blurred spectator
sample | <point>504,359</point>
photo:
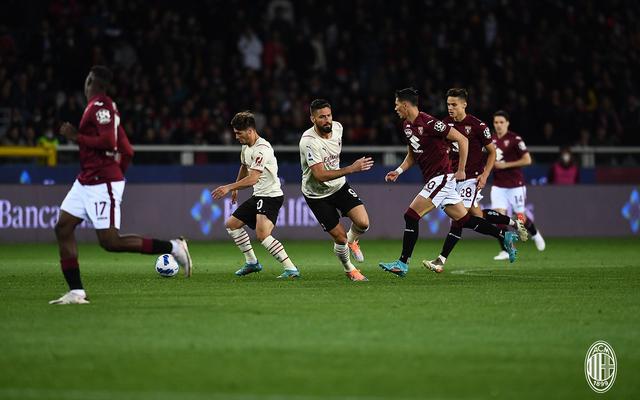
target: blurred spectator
<point>181,72</point>
<point>564,171</point>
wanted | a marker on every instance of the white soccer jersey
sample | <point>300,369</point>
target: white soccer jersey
<point>260,157</point>
<point>313,150</point>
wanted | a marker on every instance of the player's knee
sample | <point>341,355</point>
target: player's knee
<point>61,229</point>
<point>110,244</point>
<point>262,235</point>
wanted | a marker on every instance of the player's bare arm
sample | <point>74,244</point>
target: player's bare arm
<point>522,162</point>
<point>407,163</point>
<point>248,181</point>
<point>242,172</point>
<point>491,159</point>
<point>322,175</point>
<point>463,150</point>
<point>69,132</point>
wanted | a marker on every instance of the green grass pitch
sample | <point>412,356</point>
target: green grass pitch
<point>483,329</point>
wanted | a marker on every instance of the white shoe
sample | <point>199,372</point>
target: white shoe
<point>503,255</point>
<point>71,298</point>
<point>436,265</point>
<point>182,255</point>
<point>539,241</point>
<point>523,234</point>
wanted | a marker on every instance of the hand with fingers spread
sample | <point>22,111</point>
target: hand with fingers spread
<point>69,131</point>
<point>220,192</point>
<point>362,164</point>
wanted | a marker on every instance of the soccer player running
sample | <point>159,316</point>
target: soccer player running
<point>508,188</point>
<point>325,187</point>
<point>427,140</point>
<point>258,168</point>
<point>105,154</point>
<point>477,171</point>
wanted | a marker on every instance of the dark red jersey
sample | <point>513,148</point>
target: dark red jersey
<point>105,151</point>
<point>426,138</point>
<point>510,147</point>
<point>479,135</point>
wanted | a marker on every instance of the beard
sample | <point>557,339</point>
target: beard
<point>325,128</point>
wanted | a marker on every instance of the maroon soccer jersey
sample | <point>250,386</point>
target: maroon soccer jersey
<point>105,151</point>
<point>510,147</point>
<point>479,135</point>
<point>426,138</point>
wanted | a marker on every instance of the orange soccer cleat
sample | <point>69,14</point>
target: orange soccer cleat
<point>356,276</point>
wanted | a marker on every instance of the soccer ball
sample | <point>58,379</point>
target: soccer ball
<point>167,266</point>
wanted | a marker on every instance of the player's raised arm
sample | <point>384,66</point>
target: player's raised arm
<point>407,163</point>
<point>463,148</point>
<point>322,175</point>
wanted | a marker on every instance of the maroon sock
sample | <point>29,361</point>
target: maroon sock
<point>71,272</point>
<point>155,246</point>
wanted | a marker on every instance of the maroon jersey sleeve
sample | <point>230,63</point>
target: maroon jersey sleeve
<point>519,148</point>
<point>105,119</point>
<point>437,128</point>
<point>484,134</point>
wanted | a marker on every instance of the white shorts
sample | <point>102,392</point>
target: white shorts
<point>99,203</point>
<point>509,198</point>
<point>467,190</point>
<point>441,190</point>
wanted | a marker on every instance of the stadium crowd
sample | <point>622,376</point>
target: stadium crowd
<point>566,71</point>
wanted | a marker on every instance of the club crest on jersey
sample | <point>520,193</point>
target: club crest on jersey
<point>408,132</point>
<point>439,126</point>
<point>103,116</point>
<point>420,130</point>
<point>506,143</point>
<point>467,129</point>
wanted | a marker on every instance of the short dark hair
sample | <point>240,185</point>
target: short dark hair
<point>102,76</point>
<point>501,113</point>
<point>243,121</point>
<point>458,92</point>
<point>408,94</point>
<point>318,104</point>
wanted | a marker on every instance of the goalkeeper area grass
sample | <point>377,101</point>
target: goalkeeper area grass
<point>482,329</point>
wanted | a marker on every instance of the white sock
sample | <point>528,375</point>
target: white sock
<point>442,258</point>
<point>80,292</point>
<point>242,240</point>
<point>276,249</point>
<point>354,233</point>
<point>342,251</point>
<point>174,246</point>
<point>512,222</point>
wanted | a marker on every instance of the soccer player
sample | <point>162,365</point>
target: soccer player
<point>428,145</point>
<point>105,154</point>
<point>508,188</point>
<point>477,171</point>
<point>325,187</point>
<point>258,168</point>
